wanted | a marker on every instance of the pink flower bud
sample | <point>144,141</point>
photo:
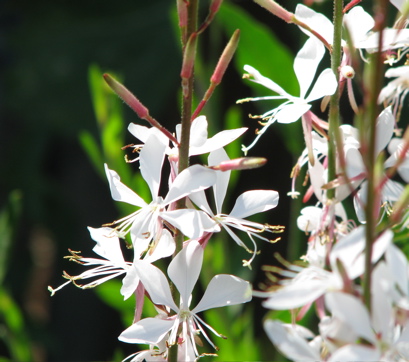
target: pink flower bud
<point>189,57</point>
<point>225,58</point>
<point>182,12</point>
<point>243,163</point>
<point>276,9</point>
<point>127,97</point>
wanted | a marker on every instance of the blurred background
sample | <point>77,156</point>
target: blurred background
<point>59,123</point>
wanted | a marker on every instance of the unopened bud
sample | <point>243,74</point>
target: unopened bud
<point>189,57</point>
<point>276,9</point>
<point>347,72</point>
<point>225,58</point>
<point>243,163</point>
<point>127,97</point>
<point>182,12</point>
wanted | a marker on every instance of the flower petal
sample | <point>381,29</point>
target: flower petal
<point>224,290</point>
<point>266,82</point>
<point>107,245</point>
<point>151,161</point>
<point>253,202</point>
<point>192,223</point>
<point>120,192</point>
<point>220,187</point>
<point>320,23</point>
<point>192,179</point>
<point>155,283</point>
<point>306,63</point>
<point>350,310</point>
<point>289,342</point>
<point>219,140</point>
<point>148,330</point>
<point>185,268</point>
<point>292,112</point>
<point>325,85</point>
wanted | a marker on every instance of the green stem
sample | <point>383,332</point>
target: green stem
<point>372,86</point>
<point>183,161</point>
<point>333,118</point>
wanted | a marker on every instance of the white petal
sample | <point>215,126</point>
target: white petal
<point>219,140</point>
<point>268,83</point>
<point>326,85</point>
<point>148,330</point>
<point>155,284</point>
<point>185,268</point>
<point>220,187</point>
<point>292,112</point>
<point>129,283</point>
<point>384,129</point>
<point>192,223</point>
<point>140,132</point>
<point>120,192</point>
<point>107,245</point>
<point>316,21</point>
<point>351,310</point>
<point>151,161</point>
<point>289,342</point>
<point>359,23</point>
<point>253,202</point>
<point>354,161</point>
<point>309,219</point>
<point>398,266</point>
<point>192,179</point>
<point>165,247</point>
<point>355,352</point>
<point>224,290</point>
<point>200,200</point>
<point>198,132</point>
<point>296,295</point>
<point>306,63</point>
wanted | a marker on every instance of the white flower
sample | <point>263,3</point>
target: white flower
<point>199,143</point>
<point>248,203</point>
<point>145,223</point>
<point>184,271</point>
<point>304,285</point>
<point>113,264</point>
<point>305,67</point>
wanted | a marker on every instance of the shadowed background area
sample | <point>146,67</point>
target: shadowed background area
<point>49,189</point>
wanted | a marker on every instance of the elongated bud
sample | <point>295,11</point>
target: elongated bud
<point>225,58</point>
<point>276,9</point>
<point>243,163</point>
<point>127,97</point>
<point>136,106</point>
<point>182,13</point>
<point>189,57</point>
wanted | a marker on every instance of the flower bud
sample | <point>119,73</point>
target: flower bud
<point>347,72</point>
<point>243,163</point>
<point>225,58</point>
<point>276,9</point>
<point>127,97</point>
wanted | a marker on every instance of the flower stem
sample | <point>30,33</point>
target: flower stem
<point>372,83</point>
<point>187,98</point>
<point>333,118</point>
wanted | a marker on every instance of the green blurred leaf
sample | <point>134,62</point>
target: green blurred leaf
<point>13,328</point>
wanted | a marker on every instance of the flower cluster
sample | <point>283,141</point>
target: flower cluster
<point>152,229</point>
<point>353,272</point>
